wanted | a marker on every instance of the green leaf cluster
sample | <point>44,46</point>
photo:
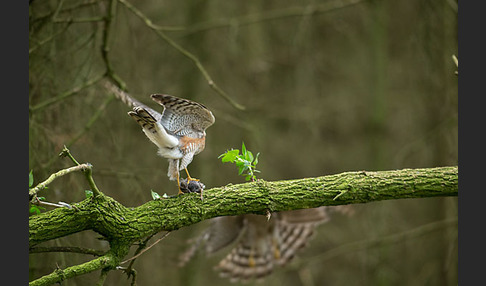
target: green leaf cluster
<point>245,161</point>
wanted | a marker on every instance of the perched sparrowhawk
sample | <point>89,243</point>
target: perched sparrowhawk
<point>179,131</point>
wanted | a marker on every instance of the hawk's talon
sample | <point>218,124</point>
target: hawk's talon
<point>189,178</point>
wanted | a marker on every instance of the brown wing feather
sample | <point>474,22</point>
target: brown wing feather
<point>182,116</point>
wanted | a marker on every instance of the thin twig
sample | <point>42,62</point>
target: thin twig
<point>58,9</point>
<point>271,15</point>
<point>141,252</point>
<point>71,249</point>
<point>184,52</point>
<point>74,7</point>
<point>369,243</point>
<point>103,274</point>
<point>66,153</point>
<point>139,249</point>
<point>88,125</point>
<point>89,176</point>
<point>59,205</point>
<point>79,20</point>
<point>48,39</point>
<point>56,175</point>
<point>130,273</point>
<point>92,120</point>
<point>66,94</point>
<point>109,18</point>
<point>87,171</point>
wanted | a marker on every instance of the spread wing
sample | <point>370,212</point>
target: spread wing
<point>182,116</point>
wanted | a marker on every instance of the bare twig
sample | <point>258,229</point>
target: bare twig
<point>312,9</point>
<point>87,171</point>
<point>91,121</point>
<point>109,18</point>
<point>88,125</point>
<point>66,94</point>
<point>142,251</point>
<point>79,20</point>
<point>369,243</point>
<point>33,192</point>
<point>74,7</point>
<point>103,274</point>
<point>58,205</point>
<point>72,249</point>
<point>48,39</point>
<point>184,52</point>
<point>139,249</point>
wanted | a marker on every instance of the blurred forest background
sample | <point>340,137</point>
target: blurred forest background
<point>328,87</point>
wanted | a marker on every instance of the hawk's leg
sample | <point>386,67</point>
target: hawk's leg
<point>179,184</point>
<point>189,178</point>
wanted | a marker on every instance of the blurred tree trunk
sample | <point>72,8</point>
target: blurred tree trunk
<point>378,82</point>
<point>440,89</point>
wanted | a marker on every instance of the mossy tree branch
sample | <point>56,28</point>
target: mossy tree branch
<point>123,226</point>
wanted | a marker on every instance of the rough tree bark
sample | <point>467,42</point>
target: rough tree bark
<point>123,226</point>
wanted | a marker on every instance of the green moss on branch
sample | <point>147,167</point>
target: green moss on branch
<point>122,226</point>
<point>114,221</point>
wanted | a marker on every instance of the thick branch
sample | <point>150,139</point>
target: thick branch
<point>123,226</point>
<point>116,222</point>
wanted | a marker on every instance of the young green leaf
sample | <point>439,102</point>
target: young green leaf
<point>249,156</point>
<point>240,162</point>
<point>155,196</point>
<point>36,209</point>
<point>241,169</point>
<point>255,162</point>
<point>229,156</point>
<point>245,161</point>
<point>88,193</point>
